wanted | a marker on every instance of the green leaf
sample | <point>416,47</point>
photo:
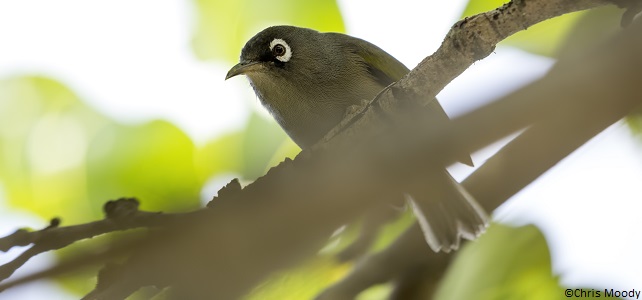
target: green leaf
<point>262,139</point>
<point>504,263</point>
<point>249,152</point>
<point>376,292</point>
<point>634,121</point>
<point>221,155</point>
<point>304,282</point>
<point>287,149</point>
<point>44,134</point>
<point>391,231</point>
<point>152,161</point>
<point>543,38</point>
<point>224,26</point>
<point>59,157</point>
<point>591,29</point>
<point>477,6</point>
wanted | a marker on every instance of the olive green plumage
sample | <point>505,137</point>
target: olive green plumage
<point>313,67</point>
<point>308,79</point>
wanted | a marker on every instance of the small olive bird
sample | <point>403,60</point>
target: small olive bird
<point>308,80</point>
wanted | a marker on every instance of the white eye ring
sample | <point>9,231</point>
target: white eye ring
<point>288,52</point>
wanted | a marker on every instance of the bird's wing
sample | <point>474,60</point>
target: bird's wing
<point>383,67</point>
<point>386,69</point>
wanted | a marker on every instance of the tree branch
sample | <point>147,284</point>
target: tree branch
<point>121,214</point>
<point>575,115</point>
<point>213,251</point>
<point>474,38</point>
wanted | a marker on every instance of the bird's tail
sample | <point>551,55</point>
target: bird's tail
<point>445,211</point>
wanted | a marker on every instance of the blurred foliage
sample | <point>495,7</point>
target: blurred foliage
<point>85,280</point>
<point>592,28</point>
<point>304,282</point>
<point>224,26</point>
<point>504,263</point>
<point>261,140</point>
<point>634,121</point>
<point>249,152</point>
<point>152,161</point>
<point>386,235</point>
<point>44,134</point>
<point>307,281</point>
<point>60,157</point>
<point>390,232</point>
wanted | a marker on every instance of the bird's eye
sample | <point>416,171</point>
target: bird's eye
<point>278,50</point>
<point>281,50</point>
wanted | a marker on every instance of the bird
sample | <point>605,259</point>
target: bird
<point>308,80</point>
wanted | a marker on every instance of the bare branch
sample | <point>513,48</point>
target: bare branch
<point>121,214</point>
<point>580,102</point>
<point>214,251</point>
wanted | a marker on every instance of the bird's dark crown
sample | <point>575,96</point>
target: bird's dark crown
<point>258,47</point>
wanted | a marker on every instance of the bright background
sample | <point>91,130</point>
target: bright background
<point>133,62</point>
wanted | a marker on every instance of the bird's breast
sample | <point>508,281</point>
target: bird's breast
<point>309,110</point>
